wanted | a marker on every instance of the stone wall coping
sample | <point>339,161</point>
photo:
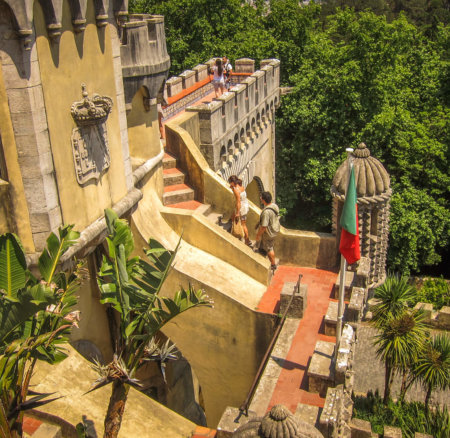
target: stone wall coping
<point>226,97</point>
<point>174,80</point>
<point>187,74</point>
<point>200,67</point>
<point>206,107</point>
<point>245,61</point>
<point>249,80</point>
<point>135,23</point>
<point>258,74</point>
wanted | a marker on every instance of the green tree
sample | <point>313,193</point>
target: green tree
<point>433,365</point>
<point>398,342</point>
<point>36,315</point>
<point>131,286</point>
<point>364,79</point>
<point>393,297</point>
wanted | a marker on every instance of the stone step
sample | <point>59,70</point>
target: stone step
<point>173,176</point>
<point>321,368</point>
<point>330,319</point>
<point>169,162</point>
<point>187,205</point>
<point>177,193</point>
<point>348,284</point>
<point>308,413</point>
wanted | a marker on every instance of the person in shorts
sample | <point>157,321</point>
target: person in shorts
<point>268,228</point>
<point>218,78</point>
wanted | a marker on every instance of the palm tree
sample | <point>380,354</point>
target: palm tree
<point>131,286</point>
<point>36,315</point>
<point>433,365</point>
<point>398,343</point>
<point>393,297</point>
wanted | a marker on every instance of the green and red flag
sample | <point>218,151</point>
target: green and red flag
<point>349,245</point>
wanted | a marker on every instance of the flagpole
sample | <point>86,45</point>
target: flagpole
<point>343,269</point>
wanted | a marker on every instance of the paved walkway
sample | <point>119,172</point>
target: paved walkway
<point>292,384</point>
<point>369,371</point>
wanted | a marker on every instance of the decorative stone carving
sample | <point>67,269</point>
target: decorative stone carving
<point>373,196</point>
<point>278,423</point>
<point>89,140</point>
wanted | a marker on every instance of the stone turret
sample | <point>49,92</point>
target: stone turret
<point>278,423</point>
<point>373,196</point>
<point>144,57</point>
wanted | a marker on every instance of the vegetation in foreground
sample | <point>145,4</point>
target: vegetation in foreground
<point>410,417</point>
<point>405,345</point>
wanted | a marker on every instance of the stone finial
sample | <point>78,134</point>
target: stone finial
<point>278,423</point>
<point>371,177</point>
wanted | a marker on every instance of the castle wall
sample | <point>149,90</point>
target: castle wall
<point>143,128</point>
<point>87,58</point>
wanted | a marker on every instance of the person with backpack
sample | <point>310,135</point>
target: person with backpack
<point>268,228</point>
<point>227,70</point>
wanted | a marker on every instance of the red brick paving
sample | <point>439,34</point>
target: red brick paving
<point>171,171</point>
<point>292,384</point>
<point>30,425</point>
<point>175,187</point>
<point>187,205</point>
<point>204,432</point>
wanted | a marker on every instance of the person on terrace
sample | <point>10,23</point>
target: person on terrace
<point>218,79</point>
<point>241,206</point>
<point>227,69</point>
<point>268,228</point>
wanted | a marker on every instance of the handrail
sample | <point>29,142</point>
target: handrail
<point>244,407</point>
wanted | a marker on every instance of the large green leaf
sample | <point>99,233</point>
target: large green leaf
<point>56,247</point>
<point>12,264</point>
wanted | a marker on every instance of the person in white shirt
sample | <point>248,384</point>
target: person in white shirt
<point>227,70</point>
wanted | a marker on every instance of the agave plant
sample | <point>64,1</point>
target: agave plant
<point>432,367</point>
<point>36,315</point>
<point>131,286</point>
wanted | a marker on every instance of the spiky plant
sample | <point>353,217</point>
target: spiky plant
<point>433,365</point>
<point>393,297</point>
<point>131,286</point>
<point>398,343</point>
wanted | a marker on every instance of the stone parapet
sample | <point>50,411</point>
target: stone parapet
<point>246,111</point>
<point>145,61</point>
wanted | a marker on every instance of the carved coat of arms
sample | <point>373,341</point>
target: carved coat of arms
<point>89,140</point>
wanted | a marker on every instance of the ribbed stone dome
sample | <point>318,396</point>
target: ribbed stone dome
<point>371,178</point>
<point>278,423</point>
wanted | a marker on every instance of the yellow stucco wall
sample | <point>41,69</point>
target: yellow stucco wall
<point>79,58</point>
<point>14,215</point>
<point>143,128</point>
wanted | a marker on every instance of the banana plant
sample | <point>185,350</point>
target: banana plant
<point>132,286</point>
<point>36,315</point>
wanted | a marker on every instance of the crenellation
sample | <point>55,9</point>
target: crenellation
<point>201,72</point>
<point>188,79</point>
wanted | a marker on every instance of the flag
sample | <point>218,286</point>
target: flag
<point>349,245</point>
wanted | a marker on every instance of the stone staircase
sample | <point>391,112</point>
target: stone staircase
<point>176,192</point>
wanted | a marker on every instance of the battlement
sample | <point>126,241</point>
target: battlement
<point>235,127</point>
<point>53,11</point>
<point>145,61</point>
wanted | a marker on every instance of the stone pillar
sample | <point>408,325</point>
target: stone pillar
<point>28,116</point>
<point>244,65</point>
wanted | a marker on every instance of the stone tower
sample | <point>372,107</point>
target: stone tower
<point>373,196</point>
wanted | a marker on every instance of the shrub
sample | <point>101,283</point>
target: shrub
<point>410,417</point>
<point>435,291</point>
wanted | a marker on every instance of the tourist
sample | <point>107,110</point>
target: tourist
<point>268,228</point>
<point>218,79</point>
<point>241,206</point>
<point>227,70</point>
